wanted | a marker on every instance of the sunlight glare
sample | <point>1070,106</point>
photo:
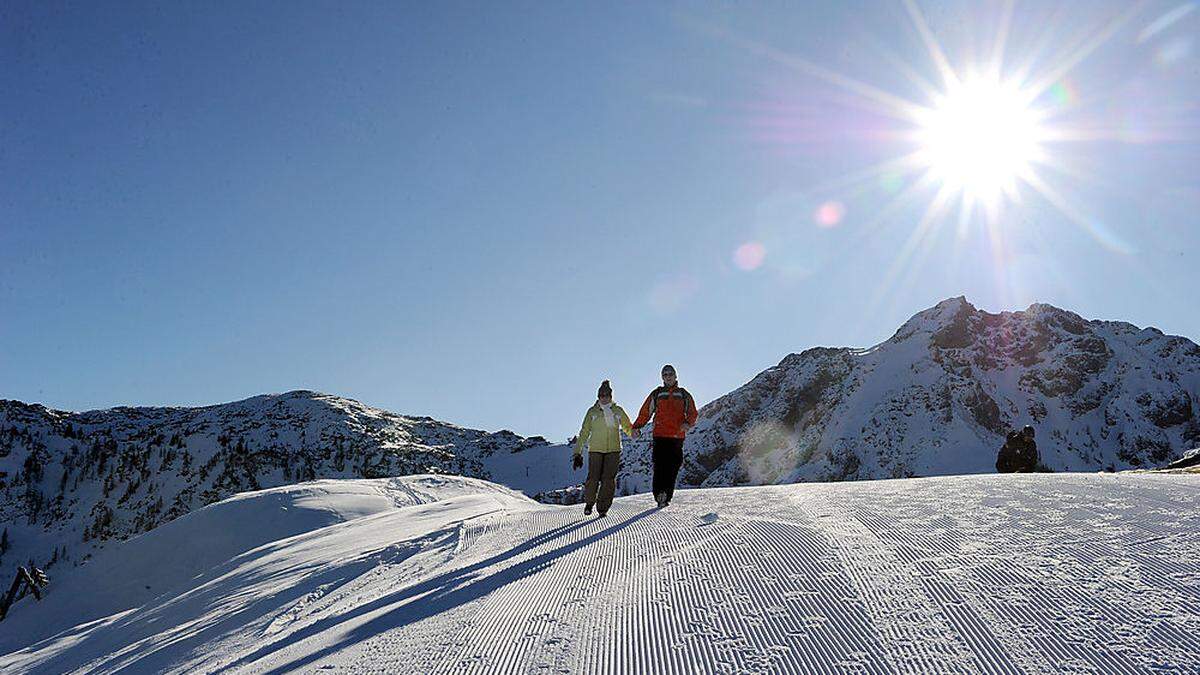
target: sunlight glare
<point>979,138</point>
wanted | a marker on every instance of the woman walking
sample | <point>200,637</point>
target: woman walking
<point>601,432</point>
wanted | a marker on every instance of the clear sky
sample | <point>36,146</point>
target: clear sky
<point>477,211</point>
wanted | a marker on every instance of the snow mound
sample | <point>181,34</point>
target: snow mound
<point>169,558</point>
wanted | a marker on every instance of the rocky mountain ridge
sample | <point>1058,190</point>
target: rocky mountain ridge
<point>69,482</point>
<point>939,395</point>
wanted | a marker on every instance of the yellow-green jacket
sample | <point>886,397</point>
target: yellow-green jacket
<point>597,435</point>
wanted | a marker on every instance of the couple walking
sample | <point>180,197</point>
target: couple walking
<point>673,411</point>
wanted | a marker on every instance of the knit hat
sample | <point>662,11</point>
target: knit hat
<point>605,389</point>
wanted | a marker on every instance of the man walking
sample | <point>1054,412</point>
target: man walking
<point>674,413</point>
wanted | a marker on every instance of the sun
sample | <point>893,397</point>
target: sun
<point>993,131</point>
<point>980,138</point>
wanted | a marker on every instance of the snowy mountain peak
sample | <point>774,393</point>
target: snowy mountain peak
<point>940,394</point>
<point>948,312</point>
<point>950,307</point>
<point>955,322</point>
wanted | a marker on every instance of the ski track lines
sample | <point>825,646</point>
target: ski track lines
<point>900,607</point>
<point>815,579</point>
<point>668,596</point>
<point>1038,590</point>
<point>1022,574</point>
<point>824,585</point>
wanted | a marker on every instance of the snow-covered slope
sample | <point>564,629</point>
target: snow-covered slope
<point>71,482</point>
<point>1077,573</point>
<point>169,558</point>
<point>938,397</point>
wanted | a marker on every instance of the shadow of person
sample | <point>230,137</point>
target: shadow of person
<point>436,595</point>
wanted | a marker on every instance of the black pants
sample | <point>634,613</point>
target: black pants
<point>668,457</point>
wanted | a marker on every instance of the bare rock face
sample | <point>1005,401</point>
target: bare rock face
<point>939,395</point>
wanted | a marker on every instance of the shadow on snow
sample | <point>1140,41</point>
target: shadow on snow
<point>437,595</point>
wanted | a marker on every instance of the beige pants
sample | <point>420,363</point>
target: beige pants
<point>602,476</point>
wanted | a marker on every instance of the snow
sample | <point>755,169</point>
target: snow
<point>427,574</point>
<point>939,396</point>
<point>136,468</point>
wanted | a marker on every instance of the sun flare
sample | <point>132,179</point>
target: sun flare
<point>969,146</point>
<point>979,139</point>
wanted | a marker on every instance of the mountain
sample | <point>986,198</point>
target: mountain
<point>1031,573</point>
<point>934,399</point>
<point>71,482</point>
<point>938,397</point>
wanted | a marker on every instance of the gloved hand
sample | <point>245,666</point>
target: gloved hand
<point>577,462</point>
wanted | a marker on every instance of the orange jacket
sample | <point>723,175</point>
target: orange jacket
<point>671,408</point>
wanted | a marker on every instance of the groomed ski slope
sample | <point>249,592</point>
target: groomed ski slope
<point>1083,573</point>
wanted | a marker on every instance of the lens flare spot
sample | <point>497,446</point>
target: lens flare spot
<point>830,214</point>
<point>749,256</point>
<point>670,295</point>
<point>891,182</point>
<point>1172,52</point>
<point>1064,94</point>
<point>1109,238</point>
<point>767,451</point>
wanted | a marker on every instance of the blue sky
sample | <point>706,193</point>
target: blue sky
<point>477,211</point>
